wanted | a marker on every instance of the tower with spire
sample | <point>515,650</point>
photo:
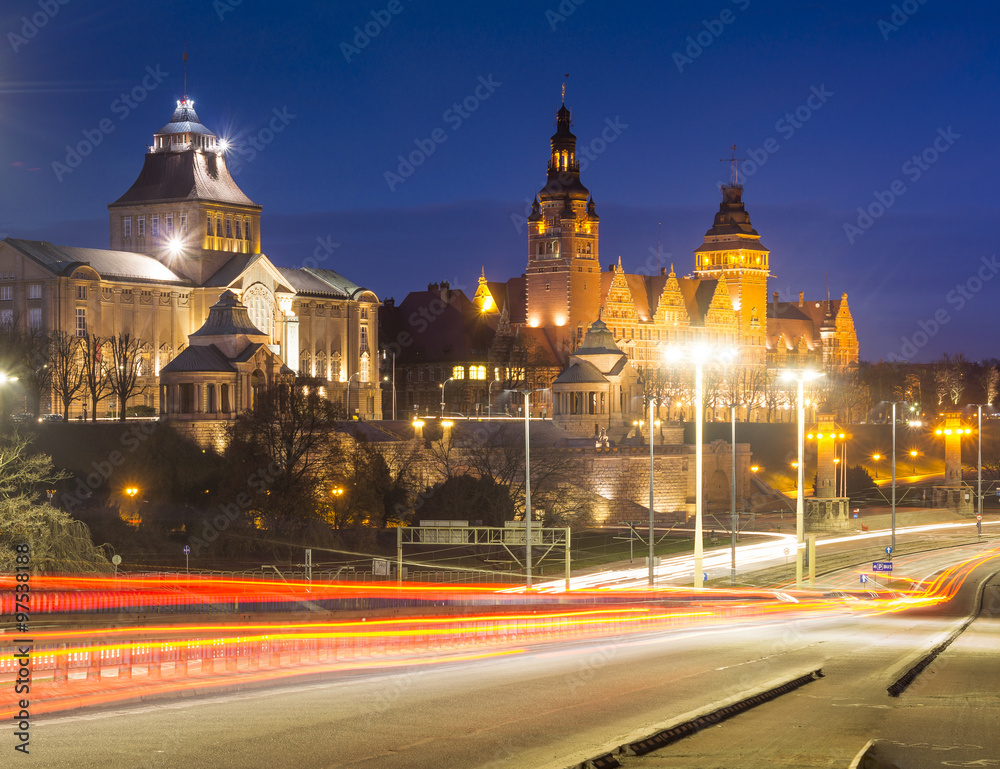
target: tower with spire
<point>185,209</point>
<point>732,251</point>
<point>563,278</point>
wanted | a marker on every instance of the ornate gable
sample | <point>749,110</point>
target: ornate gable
<point>618,304</point>
<point>671,309</point>
<point>720,315</point>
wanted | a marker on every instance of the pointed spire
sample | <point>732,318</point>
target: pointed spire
<point>672,273</point>
<point>185,71</point>
<point>564,90</point>
<point>619,261</point>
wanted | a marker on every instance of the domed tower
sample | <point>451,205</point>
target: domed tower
<point>185,209</point>
<point>732,250</point>
<point>563,275</point>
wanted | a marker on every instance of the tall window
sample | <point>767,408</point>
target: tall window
<point>246,232</point>
<point>364,371</point>
<point>127,227</point>
<point>6,293</point>
<point>364,312</point>
<point>184,223</point>
<point>81,292</point>
<point>140,226</point>
<point>238,237</point>
<point>209,221</point>
<point>364,338</point>
<point>81,321</point>
<point>458,372</point>
<point>218,227</point>
<point>6,318</point>
<point>335,367</point>
<point>168,224</point>
<point>154,226</point>
<point>229,227</point>
<point>35,291</point>
<point>260,307</point>
<point>34,318</point>
<point>477,372</point>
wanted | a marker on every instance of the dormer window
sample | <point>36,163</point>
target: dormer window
<point>238,236</point>
<point>127,227</point>
<point>209,226</point>
<point>229,227</point>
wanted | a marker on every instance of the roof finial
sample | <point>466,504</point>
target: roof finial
<point>185,71</point>
<point>564,90</point>
<point>734,173</point>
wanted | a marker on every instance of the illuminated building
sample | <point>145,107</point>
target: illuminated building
<point>182,235</point>
<point>723,302</point>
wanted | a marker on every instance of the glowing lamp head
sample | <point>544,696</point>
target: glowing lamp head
<point>223,145</point>
<point>876,457</point>
<point>174,246</point>
<point>447,423</point>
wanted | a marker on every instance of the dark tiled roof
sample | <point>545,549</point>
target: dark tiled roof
<point>337,282</point>
<point>445,326</point>
<point>186,175</point>
<point>305,283</point>
<point>109,264</point>
<point>199,358</point>
<point>581,372</point>
<point>231,270</point>
<point>228,317</point>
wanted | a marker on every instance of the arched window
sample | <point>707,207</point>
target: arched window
<point>305,365</point>
<point>364,370</point>
<point>260,306</point>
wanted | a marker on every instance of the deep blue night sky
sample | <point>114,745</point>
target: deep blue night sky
<point>888,92</point>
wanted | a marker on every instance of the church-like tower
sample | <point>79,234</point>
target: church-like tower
<point>185,209</point>
<point>732,250</point>
<point>564,275</point>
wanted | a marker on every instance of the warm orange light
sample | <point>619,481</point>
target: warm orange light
<point>754,468</point>
<point>876,457</point>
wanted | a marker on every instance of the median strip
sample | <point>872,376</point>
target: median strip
<point>684,729</point>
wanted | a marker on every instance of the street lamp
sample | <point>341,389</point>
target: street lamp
<point>800,377</point>
<point>527,480</point>
<point>384,353</point>
<point>699,355</point>
<point>442,394</point>
<point>732,499</point>
<point>489,398</point>
<point>913,459</point>
<point>876,458</point>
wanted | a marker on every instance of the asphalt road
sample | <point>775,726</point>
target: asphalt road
<point>546,707</point>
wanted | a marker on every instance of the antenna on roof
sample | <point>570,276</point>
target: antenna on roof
<point>564,90</point>
<point>827,285</point>
<point>734,172</point>
<point>185,70</point>
<point>659,266</point>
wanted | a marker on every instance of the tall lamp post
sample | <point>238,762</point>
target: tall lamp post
<point>527,481</point>
<point>652,576</point>
<point>445,382</point>
<point>384,353</point>
<point>732,499</point>
<point>699,355</point>
<point>800,377</point>
<point>489,398</point>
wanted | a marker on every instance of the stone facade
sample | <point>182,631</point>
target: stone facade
<point>183,233</point>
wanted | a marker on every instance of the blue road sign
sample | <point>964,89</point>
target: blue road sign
<point>888,550</point>
<point>881,565</point>
<point>704,577</point>
<point>856,515</point>
<point>864,578</point>
<point>187,550</point>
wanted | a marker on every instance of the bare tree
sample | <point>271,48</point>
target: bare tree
<point>990,379</point>
<point>95,373</point>
<point>950,378</point>
<point>124,369</point>
<point>65,356</point>
<point>24,353</point>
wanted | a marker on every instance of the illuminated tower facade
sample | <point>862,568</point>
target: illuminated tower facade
<point>563,279</point>
<point>732,250</point>
<point>185,209</point>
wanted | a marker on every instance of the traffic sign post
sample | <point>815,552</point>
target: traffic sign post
<point>883,566</point>
<point>787,551</point>
<point>187,562</point>
<point>864,578</point>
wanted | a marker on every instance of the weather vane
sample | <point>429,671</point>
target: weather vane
<point>734,173</point>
